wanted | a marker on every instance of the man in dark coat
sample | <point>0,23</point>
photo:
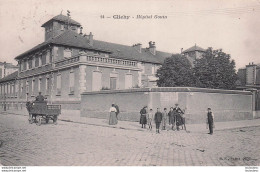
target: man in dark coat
<point>40,98</point>
<point>158,119</point>
<point>210,121</point>
<point>117,110</point>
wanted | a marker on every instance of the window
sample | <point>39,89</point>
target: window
<point>59,84</point>
<point>30,63</point>
<point>128,81</point>
<point>10,89</point>
<point>72,80</point>
<point>36,61</point>
<point>39,84</point>
<point>21,88</point>
<point>153,69</point>
<point>62,27</point>
<point>13,89</point>
<point>96,81</point>
<point>24,65</point>
<point>113,81</point>
<point>48,59</point>
<point>47,86</point>
<point>16,89</point>
<point>33,84</point>
<point>7,89</point>
<point>27,86</point>
<point>40,60</point>
<point>67,53</point>
<point>43,59</point>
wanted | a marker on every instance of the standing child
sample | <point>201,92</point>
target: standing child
<point>150,119</point>
<point>158,119</point>
<point>164,118</point>
<point>210,121</point>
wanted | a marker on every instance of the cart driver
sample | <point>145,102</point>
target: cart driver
<point>40,98</point>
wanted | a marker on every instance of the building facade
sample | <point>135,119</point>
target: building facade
<point>69,63</point>
<point>249,76</point>
<point>7,69</point>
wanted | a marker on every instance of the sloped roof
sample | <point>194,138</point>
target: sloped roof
<point>130,52</point>
<point>194,48</point>
<point>68,38</point>
<point>73,39</point>
<point>9,77</point>
<point>62,18</point>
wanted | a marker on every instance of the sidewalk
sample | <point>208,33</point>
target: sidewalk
<point>74,116</point>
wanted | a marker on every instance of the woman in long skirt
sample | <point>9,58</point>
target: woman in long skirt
<point>143,119</point>
<point>112,118</point>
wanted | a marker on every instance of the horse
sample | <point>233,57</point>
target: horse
<point>29,106</point>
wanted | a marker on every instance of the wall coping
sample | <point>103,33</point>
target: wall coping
<point>169,89</point>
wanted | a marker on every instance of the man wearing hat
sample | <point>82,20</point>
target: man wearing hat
<point>40,98</point>
<point>210,121</point>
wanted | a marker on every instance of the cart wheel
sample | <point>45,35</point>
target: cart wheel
<point>30,121</point>
<point>38,120</point>
<point>55,118</point>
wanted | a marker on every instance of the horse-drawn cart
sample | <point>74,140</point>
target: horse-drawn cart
<point>39,111</point>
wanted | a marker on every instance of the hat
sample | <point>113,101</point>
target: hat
<point>209,108</point>
<point>176,104</point>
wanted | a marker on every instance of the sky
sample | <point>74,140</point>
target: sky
<point>233,26</point>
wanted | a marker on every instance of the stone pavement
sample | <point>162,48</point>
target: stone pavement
<point>92,142</point>
<point>74,116</point>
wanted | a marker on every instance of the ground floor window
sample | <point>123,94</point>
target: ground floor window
<point>128,81</point>
<point>113,83</point>
<point>59,84</point>
<point>72,80</point>
<point>96,81</point>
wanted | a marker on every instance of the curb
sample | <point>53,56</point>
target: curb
<point>65,120</point>
<point>123,128</point>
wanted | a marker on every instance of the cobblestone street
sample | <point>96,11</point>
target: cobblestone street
<point>74,144</point>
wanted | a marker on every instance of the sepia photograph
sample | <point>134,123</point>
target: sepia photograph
<point>95,83</point>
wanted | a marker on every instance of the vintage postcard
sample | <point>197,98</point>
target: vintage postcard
<point>129,83</point>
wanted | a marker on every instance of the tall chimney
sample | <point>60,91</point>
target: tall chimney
<point>138,47</point>
<point>152,47</point>
<point>91,38</point>
<point>81,31</point>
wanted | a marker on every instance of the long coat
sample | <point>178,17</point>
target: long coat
<point>143,119</point>
<point>172,117</point>
<point>158,117</point>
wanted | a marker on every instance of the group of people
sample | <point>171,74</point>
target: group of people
<point>175,117</point>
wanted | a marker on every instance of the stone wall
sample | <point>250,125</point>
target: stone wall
<point>227,105</point>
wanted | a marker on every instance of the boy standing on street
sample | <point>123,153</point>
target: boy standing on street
<point>210,121</point>
<point>158,119</point>
<point>150,119</point>
<point>164,119</point>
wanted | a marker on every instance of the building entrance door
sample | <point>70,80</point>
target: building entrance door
<point>113,83</point>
